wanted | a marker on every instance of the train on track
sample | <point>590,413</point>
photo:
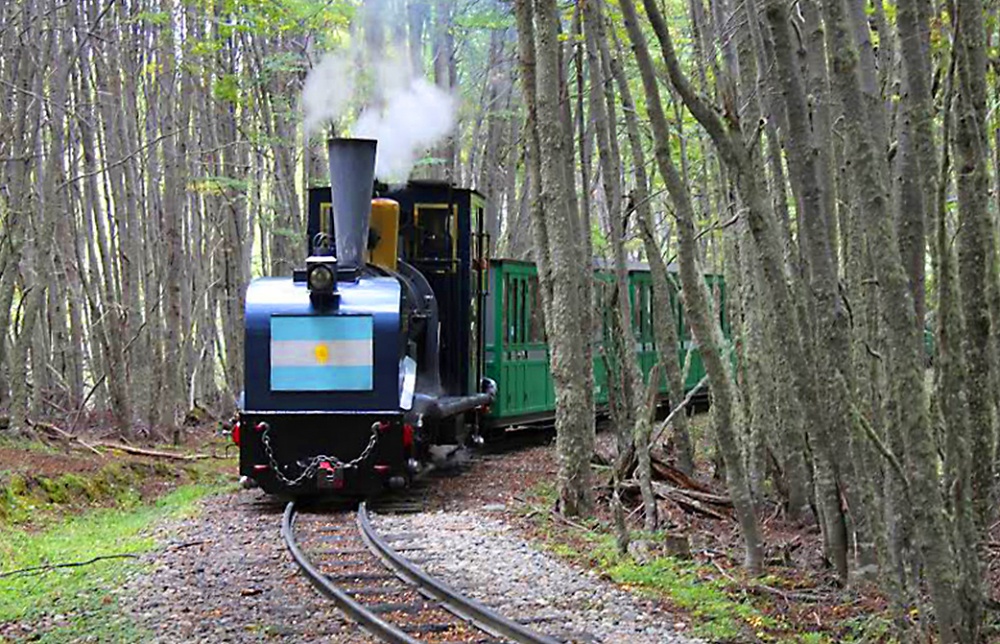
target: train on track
<point>401,332</point>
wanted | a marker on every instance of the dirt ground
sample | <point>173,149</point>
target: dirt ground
<point>800,589</point>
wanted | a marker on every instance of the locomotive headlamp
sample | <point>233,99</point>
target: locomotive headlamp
<point>321,274</point>
<point>320,279</point>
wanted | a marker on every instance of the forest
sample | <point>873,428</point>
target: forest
<point>837,161</point>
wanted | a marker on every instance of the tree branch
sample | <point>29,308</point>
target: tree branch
<point>880,446</point>
<point>73,564</point>
<point>697,105</point>
<point>676,410</point>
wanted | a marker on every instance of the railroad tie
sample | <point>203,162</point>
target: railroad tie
<point>401,607</point>
<point>336,537</point>
<point>345,563</point>
<point>366,576</point>
<point>430,627</point>
<point>382,590</point>
<point>343,551</point>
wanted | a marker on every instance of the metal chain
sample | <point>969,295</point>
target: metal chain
<point>316,461</point>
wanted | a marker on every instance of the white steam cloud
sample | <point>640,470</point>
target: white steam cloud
<point>327,91</point>
<point>414,117</point>
<point>406,114</point>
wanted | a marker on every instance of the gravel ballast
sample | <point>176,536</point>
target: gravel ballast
<point>224,575</point>
<point>483,558</point>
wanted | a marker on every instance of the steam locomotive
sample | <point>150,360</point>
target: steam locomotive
<point>345,385</point>
<point>400,333</point>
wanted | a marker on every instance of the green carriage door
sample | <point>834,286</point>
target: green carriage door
<point>512,382</point>
<point>526,386</point>
<point>539,395</point>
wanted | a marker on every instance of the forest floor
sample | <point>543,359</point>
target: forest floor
<point>796,601</point>
<point>74,521</point>
<point>62,503</point>
<point>47,478</point>
<point>702,579</point>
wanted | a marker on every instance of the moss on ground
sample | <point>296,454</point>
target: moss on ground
<point>717,609</point>
<point>41,499</point>
<point>82,595</point>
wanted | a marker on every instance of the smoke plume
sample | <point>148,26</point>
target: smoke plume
<point>414,117</point>
<point>327,91</point>
<point>406,114</point>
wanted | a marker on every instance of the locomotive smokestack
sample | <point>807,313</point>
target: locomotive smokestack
<point>352,173</point>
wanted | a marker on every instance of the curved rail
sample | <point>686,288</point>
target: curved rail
<point>470,609</point>
<point>369,620</point>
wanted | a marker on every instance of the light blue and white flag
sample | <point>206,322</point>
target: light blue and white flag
<point>321,353</point>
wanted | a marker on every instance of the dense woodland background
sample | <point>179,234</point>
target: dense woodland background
<point>836,160</point>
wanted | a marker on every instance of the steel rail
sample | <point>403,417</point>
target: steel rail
<point>357,611</point>
<point>477,613</point>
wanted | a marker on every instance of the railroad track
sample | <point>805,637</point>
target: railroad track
<point>386,593</point>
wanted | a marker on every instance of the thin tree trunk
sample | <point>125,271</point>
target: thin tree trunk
<point>601,97</point>
<point>558,252</point>
<point>698,309</point>
<point>903,338</point>
<point>664,320</point>
<point>974,263</point>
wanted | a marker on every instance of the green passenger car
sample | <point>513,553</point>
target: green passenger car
<point>517,352</point>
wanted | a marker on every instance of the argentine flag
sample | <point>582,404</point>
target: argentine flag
<point>321,353</point>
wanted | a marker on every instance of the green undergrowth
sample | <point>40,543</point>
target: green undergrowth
<point>29,445</point>
<point>81,596</point>
<point>714,607</point>
<point>41,500</point>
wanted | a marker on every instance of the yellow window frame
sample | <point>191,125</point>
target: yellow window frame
<point>453,229</point>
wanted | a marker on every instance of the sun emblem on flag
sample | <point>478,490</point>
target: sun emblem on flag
<point>322,353</point>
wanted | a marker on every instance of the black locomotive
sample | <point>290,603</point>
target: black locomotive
<point>369,355</point>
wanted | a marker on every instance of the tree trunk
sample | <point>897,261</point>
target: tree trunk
<point>833,345</point>
<point>664,296</point>
<point>697,307</point>
<point>557,251</point>
<point>974,263</point>
<point>905,365</point>
<point>603,119</point>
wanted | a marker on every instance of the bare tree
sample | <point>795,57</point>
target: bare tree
<point>558,250</point>
<point>696,303</point>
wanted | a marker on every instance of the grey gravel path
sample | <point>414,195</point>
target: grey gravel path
<point>224,575</point>
<point>483,558</point>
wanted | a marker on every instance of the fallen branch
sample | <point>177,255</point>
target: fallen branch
<point>573,524</point>
<point>666,472</point>
<point>188,544</point>
<point>758,588</point>
<point>663,490</point>
<point>678,409</point>
<point>73,564</point>
<point>688,500</point>
<point>155,453</point>
<point>714,499</point>
<point>694,505</point>
<point>63,434</point>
